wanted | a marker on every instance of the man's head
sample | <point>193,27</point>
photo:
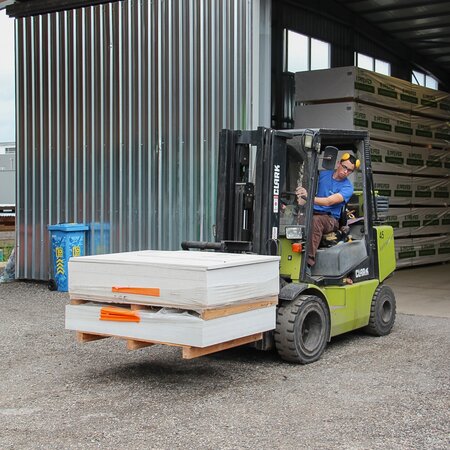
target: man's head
<point>347,165</point>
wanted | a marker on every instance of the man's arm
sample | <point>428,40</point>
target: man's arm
<point>321,201</point>
<point>329,201</point>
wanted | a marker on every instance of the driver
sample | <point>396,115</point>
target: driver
<point>333,192</point>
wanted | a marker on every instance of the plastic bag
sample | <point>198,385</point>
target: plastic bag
<point>9,274</point>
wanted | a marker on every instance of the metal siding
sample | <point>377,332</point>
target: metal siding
<point>118,112</point>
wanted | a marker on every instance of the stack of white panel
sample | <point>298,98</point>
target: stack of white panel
<point>342,83</point>
<point>409,159</point>
<point>415,221</point>
<point>422,250</point>
<point>171,326</point>
<point>409,190</point>
<point>174,278</point>
<point>409,129</point>
<point>381,123</point>
<point>189,281</point>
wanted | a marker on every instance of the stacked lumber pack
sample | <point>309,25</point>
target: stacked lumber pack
<point>200,301</point>
<point>409,128</point>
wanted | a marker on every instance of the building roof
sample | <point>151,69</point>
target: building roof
<point>422,27</point>
<point>419,30</point>
<point>23,8</point>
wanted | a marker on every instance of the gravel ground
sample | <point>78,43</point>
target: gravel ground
<point>365,393</point>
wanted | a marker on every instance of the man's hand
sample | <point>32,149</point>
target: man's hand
<point>302,195</point>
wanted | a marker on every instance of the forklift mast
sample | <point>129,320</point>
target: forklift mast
<point>251,173</point>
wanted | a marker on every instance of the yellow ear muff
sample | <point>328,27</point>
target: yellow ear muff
<point>346,156</point>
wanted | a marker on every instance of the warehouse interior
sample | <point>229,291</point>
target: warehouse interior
<point>403,39</point>
<point>408,35</point>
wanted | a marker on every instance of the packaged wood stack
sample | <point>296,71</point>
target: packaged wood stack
<point>201,301</point>
<point>409,128</point>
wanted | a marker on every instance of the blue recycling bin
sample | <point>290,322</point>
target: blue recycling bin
<point>98,238</point>
<point>67,239</point>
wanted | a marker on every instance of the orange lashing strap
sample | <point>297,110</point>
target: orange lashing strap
<point>116,314</point>
<point>153,292</point>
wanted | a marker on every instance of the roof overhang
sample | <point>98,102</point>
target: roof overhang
<point>417,31</point>
<point>25,8</point>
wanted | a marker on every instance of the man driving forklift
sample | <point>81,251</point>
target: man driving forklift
<point>333,192</point>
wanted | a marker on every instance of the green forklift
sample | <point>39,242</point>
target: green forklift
<point>258,212</point>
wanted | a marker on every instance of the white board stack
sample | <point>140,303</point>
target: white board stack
<point>422,250</point>
<point>363,85</point>
<point>179,279</point>
<point>391,157</point>
<point>409,129</point>
<point>383,124</point>
<point>183,298</point>
<point>410,190</point>
<point>416,221</point>
<point>170,326</point>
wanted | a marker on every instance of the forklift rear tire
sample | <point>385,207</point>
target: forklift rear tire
<point>382,311</point>
<point>303,328</point>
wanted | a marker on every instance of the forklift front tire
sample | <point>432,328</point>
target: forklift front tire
<point>303,328</point>
<point>382,312</point>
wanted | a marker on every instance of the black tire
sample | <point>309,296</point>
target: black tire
<point>382,312</point>
<point>52,286</point>
<point>303,328</point>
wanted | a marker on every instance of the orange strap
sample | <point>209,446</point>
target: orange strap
<point>114,313</point>
<point>153,292</point>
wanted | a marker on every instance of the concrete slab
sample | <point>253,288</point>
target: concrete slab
<point>423,291</point>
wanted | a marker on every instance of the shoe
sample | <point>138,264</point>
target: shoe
<point>308,271</point>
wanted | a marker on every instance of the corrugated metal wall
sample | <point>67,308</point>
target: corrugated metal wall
<point>118,112</point>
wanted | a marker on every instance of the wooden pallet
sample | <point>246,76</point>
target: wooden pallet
<point>188,352</point>
<point>204,313</point>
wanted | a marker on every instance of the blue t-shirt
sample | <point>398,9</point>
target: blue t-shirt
<point>329,186</point>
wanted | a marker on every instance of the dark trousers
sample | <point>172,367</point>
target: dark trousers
<point>321,224</point>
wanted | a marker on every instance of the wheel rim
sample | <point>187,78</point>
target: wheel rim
<point>311,331</point>
<point>386,311</point>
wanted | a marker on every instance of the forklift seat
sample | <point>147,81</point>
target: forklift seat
<point>340,259</point>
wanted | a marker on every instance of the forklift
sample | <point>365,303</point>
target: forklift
<point>258,212</point>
